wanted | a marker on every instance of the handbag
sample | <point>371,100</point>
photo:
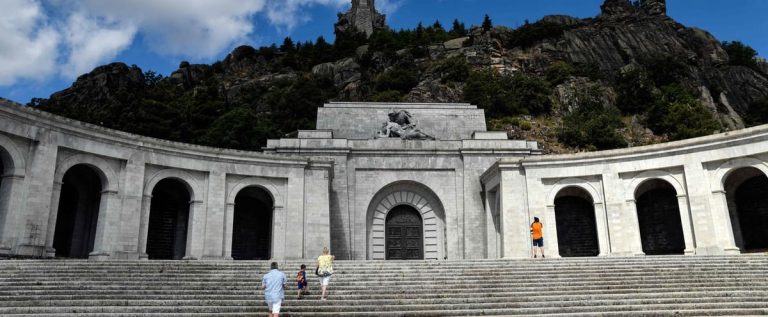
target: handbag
<point>317,271</point>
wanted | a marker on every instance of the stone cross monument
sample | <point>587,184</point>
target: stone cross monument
<point>362,17</point>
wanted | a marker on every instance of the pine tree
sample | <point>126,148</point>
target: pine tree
<point>288,45</point>
<point>487,23</point>
<point>458,28</point>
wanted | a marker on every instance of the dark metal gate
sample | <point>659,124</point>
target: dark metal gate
<point>404,234</point>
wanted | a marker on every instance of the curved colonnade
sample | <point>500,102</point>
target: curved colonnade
<point>71,189</point>
<point>702,196</point>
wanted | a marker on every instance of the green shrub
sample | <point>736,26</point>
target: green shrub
<point>503,95</point>
<point>240,128</point>
<point>740,54</point>
<point>401,79</point>
<point>635,92</point>
<point>531,33</point>
<point>757,113</point>
<point>558,72</point>
<point>678,114</point>
<point>454,69</point>
<point>500,124</point>
<point>592,125</point>
<point>387,96</point>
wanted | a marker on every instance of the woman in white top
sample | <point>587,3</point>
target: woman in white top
<point>325,269</point>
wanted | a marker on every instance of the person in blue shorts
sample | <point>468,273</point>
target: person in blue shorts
<point>301,280</point>
<point>537,236</point>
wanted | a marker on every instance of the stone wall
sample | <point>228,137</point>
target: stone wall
<point>38,148</point>
<point>697,170</point>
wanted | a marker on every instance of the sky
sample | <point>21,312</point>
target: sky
<point>46,44</point>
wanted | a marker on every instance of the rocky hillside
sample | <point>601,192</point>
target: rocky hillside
<point>630,76</point>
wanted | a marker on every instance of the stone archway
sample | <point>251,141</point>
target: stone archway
<point>576,223</point>
<point>659,219</point>
<point>12,171</point>
<point>168,227</point>
<point>423,201</point>
<point>746,189</point>
<point>77,212</point>
<point>252,224</point>
<point>404,234</point>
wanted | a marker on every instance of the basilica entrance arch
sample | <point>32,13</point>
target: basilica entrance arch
<point>576,223</point>
<point>746,189</point>
<point>404,239</point>
<point>406,220</point>
<point>658,216</point>
<point>252,224</point>
<point>168,220</point>
<point>78,212</point>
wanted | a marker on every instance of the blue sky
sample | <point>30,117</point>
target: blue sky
<point>45,45</point>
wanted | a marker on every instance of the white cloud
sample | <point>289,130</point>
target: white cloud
<point>288,13</point>
<point>388,6</point>
<point>70,37</point>
<point>91,41</point>
<point>196,28</point>
<point>27,43</point>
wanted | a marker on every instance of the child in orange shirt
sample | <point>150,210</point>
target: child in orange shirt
<point>538,237</point>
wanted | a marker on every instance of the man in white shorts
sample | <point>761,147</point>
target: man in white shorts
<point>273,284</point>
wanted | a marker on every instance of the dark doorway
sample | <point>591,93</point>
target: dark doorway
<point>751,211</point>
<point>252,227</point>
<point>658,214</point>
<point>168,220</point>
<point>78,213</point>
<point>404,238</point>
<point>576,226</point>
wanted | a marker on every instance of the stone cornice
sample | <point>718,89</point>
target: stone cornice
<point>722,140</point>
<point>45,120</point>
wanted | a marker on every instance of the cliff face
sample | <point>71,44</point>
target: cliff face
<point>266,82</point>
<point>624,35</point>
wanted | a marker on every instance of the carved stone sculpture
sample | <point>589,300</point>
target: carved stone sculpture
<point>402,125</point>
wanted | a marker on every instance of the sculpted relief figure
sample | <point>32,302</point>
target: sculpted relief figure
<point>402,125</point>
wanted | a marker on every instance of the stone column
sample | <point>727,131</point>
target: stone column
<point>279,233</point>
<point>685,218</point>
<point>106,229</point>
<point>637,247</point>
<point>551,247</point>
<point>146,203</point>
<point>195,230</point>
<point>733,213</point>
<point>317,212</point>
<point>514,214</point>
<point>215,215</point>
<point>35,220</point>
<point>722,222</point>
<point>602,230</point>
<point>54,212</point>
<point>131,204</point>
<point>10,194</point>
<point>491,246</point>
<point>229,216</point>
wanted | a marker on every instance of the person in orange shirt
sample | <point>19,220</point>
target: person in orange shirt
<point>538,237</point>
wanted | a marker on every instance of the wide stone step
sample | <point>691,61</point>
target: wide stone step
<point>514,308</point>
<point>300,305</point>
<point>500,295</point>
<point>346,294</point>
<point>638,286</point>
<point>340,279</point>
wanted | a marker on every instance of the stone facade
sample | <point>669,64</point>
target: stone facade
<point>38,149</point>
<point>474,192</point>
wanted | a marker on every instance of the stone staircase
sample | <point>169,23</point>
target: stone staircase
<point>613,286</point>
